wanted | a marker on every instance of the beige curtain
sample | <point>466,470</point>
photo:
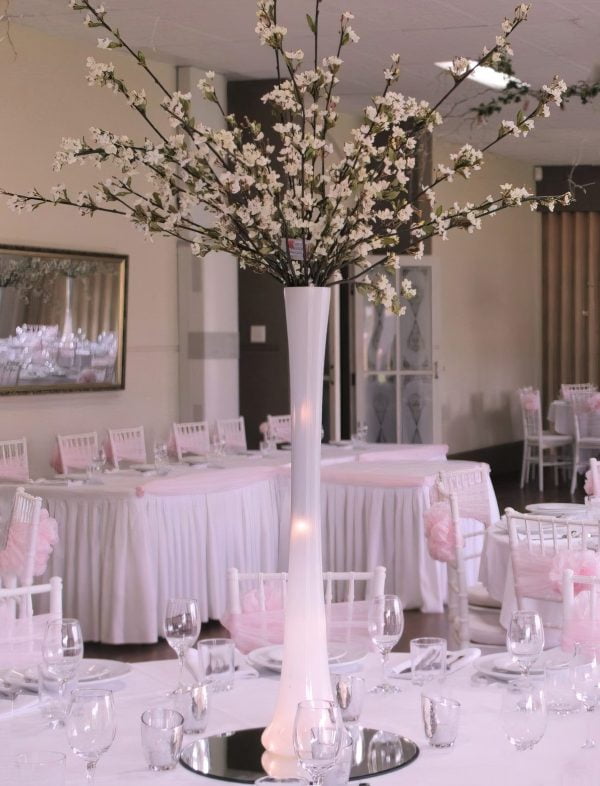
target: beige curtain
<point>570,315</point>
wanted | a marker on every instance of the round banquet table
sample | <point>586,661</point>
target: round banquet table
<point>372,514</point>
<point>482,754</point>
<point>132,540</point>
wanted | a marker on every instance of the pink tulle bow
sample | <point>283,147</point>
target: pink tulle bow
<point>14,556</point>
<point>539,574</point>
<point>264,428</point>
<point>581,628</point>
<point>531,400</point>
<point>442,540</point>
<point>273,598</point>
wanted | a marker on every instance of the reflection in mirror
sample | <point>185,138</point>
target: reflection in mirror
<point>62,320</point>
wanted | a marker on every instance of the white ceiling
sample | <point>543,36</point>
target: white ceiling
<point>561,37</point>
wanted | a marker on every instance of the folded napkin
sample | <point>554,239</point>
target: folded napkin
<point>194,666</point>
<point>455,660</point>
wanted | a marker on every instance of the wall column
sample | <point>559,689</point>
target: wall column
<point>208,302</point>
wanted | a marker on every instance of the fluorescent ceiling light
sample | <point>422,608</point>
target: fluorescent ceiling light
<point>484,75</point>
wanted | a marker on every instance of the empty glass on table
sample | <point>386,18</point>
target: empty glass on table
<point>385,625</point>
<point>62,650</point>
<point>182,628</point>
<point>318,734</point>
<point>524,713</point>
<point>525,639</point>
<point>91,726</point>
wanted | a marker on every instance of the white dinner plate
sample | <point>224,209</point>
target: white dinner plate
<point>340,655</point>
<point>501,666</point>
<point>556,508</point>
<point>91,670</point>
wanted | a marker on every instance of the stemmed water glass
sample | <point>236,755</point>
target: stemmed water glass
<point>182,628</point>
<point>62,650</point>
<point>385,624</point>
<point>91,726</point>
<point>525,639</point>
<point>585,676</point>
<point>318,732</point>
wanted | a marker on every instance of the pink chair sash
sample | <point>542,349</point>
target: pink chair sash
<point>539,575</point>
<point>440,534</point>
<point>14,556</point>
<point>346,624</point>
<point>76,459</point>
<point>14,468</point>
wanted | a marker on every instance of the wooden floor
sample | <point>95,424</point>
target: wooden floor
<point>417,624</point>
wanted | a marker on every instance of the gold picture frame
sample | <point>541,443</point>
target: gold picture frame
<point>62,320</point>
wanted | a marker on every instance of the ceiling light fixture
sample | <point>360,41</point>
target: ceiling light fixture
<point>485,75</point>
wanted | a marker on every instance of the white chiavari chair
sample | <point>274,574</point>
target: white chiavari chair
<point>191,438</point>
<point>233,433</point>
<point>13,459</point>
<point>537,442</point>
<point>577,387</point>
<point>280,427</point>
<point>77,451</point>
<point>539,546</point>
<point>586,419</point>
<point>375,580</point>
<point>127,444</point>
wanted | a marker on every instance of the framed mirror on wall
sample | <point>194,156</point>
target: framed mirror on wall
<point>62,320</point>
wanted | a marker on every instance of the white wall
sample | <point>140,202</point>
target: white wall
<point>44,96</point>
<point>490,310</point>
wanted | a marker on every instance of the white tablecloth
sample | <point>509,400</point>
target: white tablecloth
<point>131,542</point>
<point>482,754</point>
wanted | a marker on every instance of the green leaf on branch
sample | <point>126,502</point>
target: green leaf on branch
<point>311,23</point>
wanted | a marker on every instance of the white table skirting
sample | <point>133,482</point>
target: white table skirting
<point>482,754</point>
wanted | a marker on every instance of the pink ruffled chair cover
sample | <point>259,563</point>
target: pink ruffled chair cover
<point>581,628</point>
<point>14,556</point>
<point>540,575</point>
<point>346,624</point>
<point>440,534</point>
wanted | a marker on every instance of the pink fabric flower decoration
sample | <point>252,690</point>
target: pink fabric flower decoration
<point>13,557</point>
<point>531,400</point>
<point>442,540</point>
<point>582,562</point>
<point>593,403</point>
<point>264,428</point>
<point>273,598</point>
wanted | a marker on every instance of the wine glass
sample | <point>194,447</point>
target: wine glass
<point>91,726</point>
<point>524,713</point>
<point>182,628</point>
<point>318,731</point>
<point>160,454</point>
<point>585,676</point>
<point>62,650</point>
<point>385,624</point>
<point>525,638</point>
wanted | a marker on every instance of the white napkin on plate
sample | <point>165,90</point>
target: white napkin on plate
<point>456,660</point>
<point>194,666</point>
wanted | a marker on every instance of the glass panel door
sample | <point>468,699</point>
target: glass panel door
<point>396,370</point>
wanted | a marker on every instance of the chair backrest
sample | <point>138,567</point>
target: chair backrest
<point>191,438</point>
<point>127,444</point>
<point>595,477</point>
<point>22,595</point>
<point>13,459</point>
<point>25,511</point>
<point>77,451</point>
<point>531,412</point>
<point>375,585</point>
<point>541,547</point>
<point>577,387</point>
<point>471,487</point>
<point>586,412</point>
<point>280,427</point>
<point>9,372</point>
<point>232,432</point>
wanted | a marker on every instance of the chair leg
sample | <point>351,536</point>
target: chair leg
<point>541,470</point>
<point>575,463</point>
<point>555,454</point>
<point>524,464</point>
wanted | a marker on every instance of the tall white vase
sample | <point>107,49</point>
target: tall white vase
<point>305,671</point>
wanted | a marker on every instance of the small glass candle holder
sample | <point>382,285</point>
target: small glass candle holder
<point>162,735</point>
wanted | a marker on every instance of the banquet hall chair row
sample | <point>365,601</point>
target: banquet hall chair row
<point>78,451</point>
<point>541,448</point>
<point>195,437</point>
<point>14,464</point>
